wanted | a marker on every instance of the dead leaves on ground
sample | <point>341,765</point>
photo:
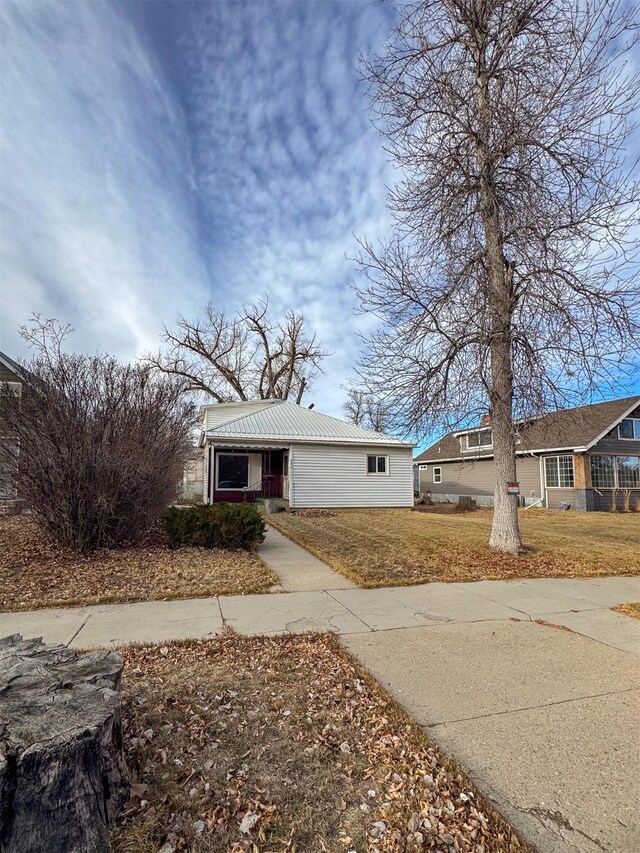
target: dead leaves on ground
<point>377,548</point>
<point>285,744</point>
<point>35,572</point>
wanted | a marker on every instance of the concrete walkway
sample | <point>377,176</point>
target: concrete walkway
<point>297,569</point>
<point>580,605</point>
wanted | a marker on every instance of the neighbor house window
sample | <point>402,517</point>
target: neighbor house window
<point>629,428</point>
<point>233,471</point>
<point>615,472</point>
<point>483,438</point>
<point>377,464</point>
<point>437,475</point>
<point>603,472</point>
<point>558,472</point>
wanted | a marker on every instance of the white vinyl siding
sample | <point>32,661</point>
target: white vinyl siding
<point>221,413</point>
<point>335,476</point>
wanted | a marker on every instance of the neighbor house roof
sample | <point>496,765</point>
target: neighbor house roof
<point>284,421</point>
<point>567,429</point>
<point>11,365</point>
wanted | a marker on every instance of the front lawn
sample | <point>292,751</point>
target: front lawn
<point>36,573</point>
<point>394,547</point>
<point>285,744</point>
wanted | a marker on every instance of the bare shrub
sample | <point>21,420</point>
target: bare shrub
<point>101,444</point>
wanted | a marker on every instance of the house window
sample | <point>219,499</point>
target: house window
<point>629,429</point>
<point>483,438</point>
<point>377,464</point>
<point>558,472</point>
<point>628,472</point>
<point>603,472</point>
<point>437,474</point>
<point>423,467</point>
<point>233,471</point>
<point>615,472</point>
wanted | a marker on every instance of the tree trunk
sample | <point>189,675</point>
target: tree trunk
<point>63,778</point>
<point>505,531</point>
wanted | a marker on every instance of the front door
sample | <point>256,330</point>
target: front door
<point>285,475</point>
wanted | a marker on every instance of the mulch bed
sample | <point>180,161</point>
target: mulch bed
<point>285,744</point>
<point>36,573</point>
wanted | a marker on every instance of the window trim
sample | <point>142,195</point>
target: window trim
<point>437,472</point>
<point>634,421</point>
<point>557,460</point>
<point>377,456</point>
<point>480,447</point>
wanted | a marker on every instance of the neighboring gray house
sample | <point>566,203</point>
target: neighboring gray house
<point>275,449</point>
<point>587,457</point>
<point>11,377</point>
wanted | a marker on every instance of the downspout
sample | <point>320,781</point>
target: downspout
<point>543,490</point>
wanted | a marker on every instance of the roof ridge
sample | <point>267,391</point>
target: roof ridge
<point>341,421</point>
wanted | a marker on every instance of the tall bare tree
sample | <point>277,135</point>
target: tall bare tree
<point>508,284</point>
<point>363,409</point>
<point>243,357</point>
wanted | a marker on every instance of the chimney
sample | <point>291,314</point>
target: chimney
<point>485,420</point>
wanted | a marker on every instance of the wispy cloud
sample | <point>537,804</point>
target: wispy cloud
<point>159,155</point>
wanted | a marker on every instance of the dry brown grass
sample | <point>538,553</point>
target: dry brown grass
<point>36,573</point>
<point>291,739</point>
<point>395,547</point>
<point>632,609</point>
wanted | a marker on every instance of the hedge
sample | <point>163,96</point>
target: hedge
<point>220,525</point>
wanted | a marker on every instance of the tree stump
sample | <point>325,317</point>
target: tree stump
<point>466,504</point>
<point>63,777</point>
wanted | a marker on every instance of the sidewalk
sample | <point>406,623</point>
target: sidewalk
<point>297,569</point>
<point>580,605</point>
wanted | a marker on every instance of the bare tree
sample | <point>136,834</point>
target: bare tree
<point>364,410</point>
<point>243,357</point>
<point>508,285</point>
<point>97,447</point>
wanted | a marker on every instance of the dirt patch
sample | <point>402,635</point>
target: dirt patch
<point>35,572</point>
<point>285,744</point>
<point>395,547</point>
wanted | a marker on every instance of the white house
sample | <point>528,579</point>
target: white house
<point>275,449</point>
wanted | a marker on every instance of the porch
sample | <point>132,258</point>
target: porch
<point>243,475</point>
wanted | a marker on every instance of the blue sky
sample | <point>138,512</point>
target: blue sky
<point>159,155</point>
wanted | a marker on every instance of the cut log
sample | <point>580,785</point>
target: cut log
<point>63,777</point>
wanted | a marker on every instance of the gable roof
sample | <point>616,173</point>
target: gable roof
<point>11,365</point>
<point>567,429</point>
<point>284,421</point>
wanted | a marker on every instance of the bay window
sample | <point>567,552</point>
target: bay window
<point>615,472</point>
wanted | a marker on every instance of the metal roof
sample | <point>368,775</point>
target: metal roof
<point>287,421</point>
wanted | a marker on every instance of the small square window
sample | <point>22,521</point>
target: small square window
<point>437,475</point>
<point>377,464</point>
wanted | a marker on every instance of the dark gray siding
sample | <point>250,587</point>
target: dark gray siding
<point>603,500</point>
<point>612,444</point>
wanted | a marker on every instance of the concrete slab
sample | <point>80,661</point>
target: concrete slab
<point>383,609</point>
<point>602,592</point>
<point>150,621</point>
<point>296,568</point>
<point>295,612</point>
<point>54,626</point>
<point>605,626</point>
<point>445,602</point>
<point>533,598</point>
<point>545,721</point>
<point>566,775</point>
<point>463,671</point>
